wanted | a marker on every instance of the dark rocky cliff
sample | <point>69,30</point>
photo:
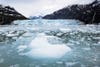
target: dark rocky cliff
<point>89,13</point>
<point>9,14</point>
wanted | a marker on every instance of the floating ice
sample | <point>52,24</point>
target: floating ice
<point>41,48</point>
<point>1,60</point>
<point>21,48</point>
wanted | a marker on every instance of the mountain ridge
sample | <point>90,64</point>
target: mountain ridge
<point>9,14</point>
<point>89,13</point>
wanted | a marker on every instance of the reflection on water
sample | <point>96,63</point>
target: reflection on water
<point>64,45</point>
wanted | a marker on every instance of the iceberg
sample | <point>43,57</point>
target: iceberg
<point>41,48</point>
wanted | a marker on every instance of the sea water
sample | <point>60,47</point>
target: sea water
<point>49,43</point>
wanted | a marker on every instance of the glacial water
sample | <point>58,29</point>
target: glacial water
<point>49,43</point>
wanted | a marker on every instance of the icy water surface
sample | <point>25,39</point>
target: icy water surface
<point>49,43</point>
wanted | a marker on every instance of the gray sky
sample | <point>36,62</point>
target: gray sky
<point>40,7</point>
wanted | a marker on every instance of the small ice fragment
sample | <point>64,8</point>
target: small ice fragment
<point>21,47</point>
<point>1,60</point>
<point>86,48</point>
<point>16,65</point>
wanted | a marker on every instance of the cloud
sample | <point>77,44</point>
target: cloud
<point>40,7</point>
<point>17,1</point>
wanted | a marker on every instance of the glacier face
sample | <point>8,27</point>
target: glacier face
<point>49,43</point>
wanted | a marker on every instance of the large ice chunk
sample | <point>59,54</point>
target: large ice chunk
<point>41,48</point>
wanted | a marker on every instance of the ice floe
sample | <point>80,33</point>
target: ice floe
<point>41,48</point>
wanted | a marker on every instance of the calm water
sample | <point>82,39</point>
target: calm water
<point>49,43</point>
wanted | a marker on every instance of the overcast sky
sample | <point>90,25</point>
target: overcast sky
<point>40,7</point>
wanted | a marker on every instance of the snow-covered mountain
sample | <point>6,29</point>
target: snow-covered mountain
<point>88,13</point>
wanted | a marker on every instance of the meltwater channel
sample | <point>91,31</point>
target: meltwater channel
<point>49,43</point>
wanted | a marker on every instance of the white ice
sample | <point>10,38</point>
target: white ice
<point>41,48</point>
<point>21,48</point>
